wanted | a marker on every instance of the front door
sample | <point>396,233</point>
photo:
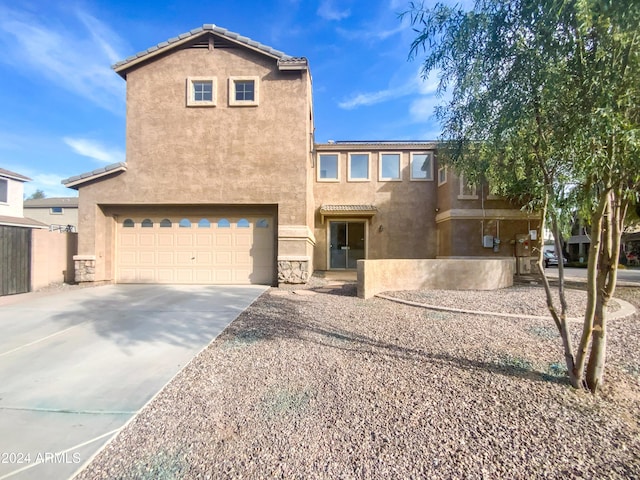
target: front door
<point>346,244</point>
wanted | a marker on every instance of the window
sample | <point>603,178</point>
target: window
<point>262,223</point>
<point>128,223</point>
<point>389,168</point>
<point>56,210</point>
<point>243,91</point>
<point>358,167</point>
<point>243,223</point>
<point>442,175</point>
<point>166,223</point>
<point>201,91</point>
<point>421,166</point>
<point>328,168</point>
<point>223,223</point>
<point>185,223</point>
<point>467,190</point>
<point>204,223</point>
<point>146,223</point>
<point>4,195</point>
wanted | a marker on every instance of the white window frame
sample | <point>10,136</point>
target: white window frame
<point>389,179</point>
<point>244,103</point>
<point>5,190</point>
<point>442,175</point>
<point>429,174</point>
<point>321,179</point>
<point>52,212</point>
<point>466,196</point>
<point>192,102</point>
<point>349,178</point>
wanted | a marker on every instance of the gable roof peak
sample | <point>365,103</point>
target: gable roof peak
<point>209,28</point>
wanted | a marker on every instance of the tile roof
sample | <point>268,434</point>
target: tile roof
<point>348,208</point>
<point>13,175</point>
<point>51,202</point>
<point>284,60</point>
<point>77,180</point>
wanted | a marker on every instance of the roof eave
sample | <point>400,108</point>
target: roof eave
<point>79,180</point>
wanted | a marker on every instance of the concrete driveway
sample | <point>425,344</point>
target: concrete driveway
<point>76,365</point>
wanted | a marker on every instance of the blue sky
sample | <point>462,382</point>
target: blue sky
<point>63,107</point>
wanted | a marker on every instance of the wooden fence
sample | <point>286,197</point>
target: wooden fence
<point>15,260</point>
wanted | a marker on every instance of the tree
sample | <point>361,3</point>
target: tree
<point>37,195</point>
<point>545,106</point>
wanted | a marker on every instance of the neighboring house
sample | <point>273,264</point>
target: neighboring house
<point>16,236</point>
<point>11,195</point>
<point>61,213</point>
<point>224,184</point>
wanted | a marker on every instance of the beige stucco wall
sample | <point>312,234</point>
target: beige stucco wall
<point>404,225</point>
<point>52,257</point>
<point>463,221</point>
<point>375,276</point>
<point>179,155</point>
<point>15,192</point>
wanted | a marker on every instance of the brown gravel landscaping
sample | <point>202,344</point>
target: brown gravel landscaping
<point>317,383</point>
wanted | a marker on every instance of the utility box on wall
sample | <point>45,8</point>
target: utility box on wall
<point>523,245</point>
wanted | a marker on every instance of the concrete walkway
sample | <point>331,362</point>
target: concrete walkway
<point>77,365</point>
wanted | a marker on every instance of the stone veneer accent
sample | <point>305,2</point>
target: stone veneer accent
<point>293,271</point>
<point>85,268</point>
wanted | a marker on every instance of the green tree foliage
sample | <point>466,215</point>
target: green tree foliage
<point>37,195</point>
<point>544,104</point>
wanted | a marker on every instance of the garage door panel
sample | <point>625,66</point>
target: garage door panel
<point>213,254</point>
<point>165,275</point>
<point>146,275</point>
<point>146,258</point>
<point>204,259</point>
<point>185,240</point>
<point>146,239</point>
<point>223,258</point>
<point>128,240</point>
<point>203,240</point>
<point>165,240</point>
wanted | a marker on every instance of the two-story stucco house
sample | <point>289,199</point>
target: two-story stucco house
<point>224,183</point>
<point>60,213</point>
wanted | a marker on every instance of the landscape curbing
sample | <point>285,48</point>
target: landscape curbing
<point>626,309</point>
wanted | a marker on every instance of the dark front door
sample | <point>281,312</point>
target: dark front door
<point>347,244</point>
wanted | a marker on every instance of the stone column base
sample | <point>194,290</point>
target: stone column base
<point>85,268</point>
<point>293,270</point>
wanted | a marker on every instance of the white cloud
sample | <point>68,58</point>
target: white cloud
<point>329,11</point>
<point>416,85</point>
<point>95,150</point>
<point>76,59</point>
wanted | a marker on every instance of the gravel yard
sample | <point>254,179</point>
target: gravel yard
<point>321,384</point>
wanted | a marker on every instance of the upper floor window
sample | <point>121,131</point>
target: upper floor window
<point>243,91</point>
<point>389,168</point>
<point>442,175</point>
<point>328,167</point>
<point>56,210</point>
<point>4,190</point>
<point>467,189</point>
<point>358,167</point>
<point>421,166</point>
<point>201,91</point>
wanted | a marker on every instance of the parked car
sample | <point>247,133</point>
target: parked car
<point>551,259</point>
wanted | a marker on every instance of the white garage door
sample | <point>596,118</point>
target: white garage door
<point>184,250</point>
